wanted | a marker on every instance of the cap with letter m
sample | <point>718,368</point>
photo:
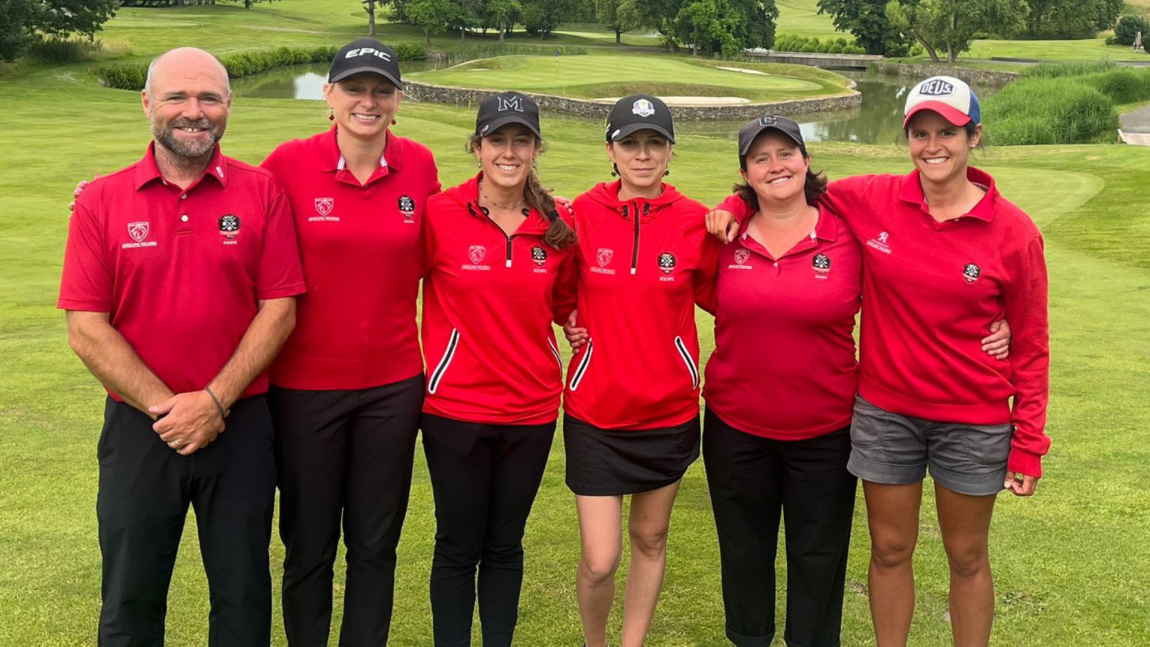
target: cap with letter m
<point>365,55</point>
<point>504,108</point>
<point>946,95</point>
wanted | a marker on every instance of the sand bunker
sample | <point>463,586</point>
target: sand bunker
<point>744,70</point>
<point>691,101</point>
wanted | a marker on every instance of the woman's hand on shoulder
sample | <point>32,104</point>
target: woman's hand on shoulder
<point>80,186</point>
<point>722,225</point>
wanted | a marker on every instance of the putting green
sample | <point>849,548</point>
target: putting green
<point>599,77</point>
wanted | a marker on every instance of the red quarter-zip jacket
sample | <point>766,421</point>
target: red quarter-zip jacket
<point>488,303</point>
<point>641,264</point>
<point>930,292</point>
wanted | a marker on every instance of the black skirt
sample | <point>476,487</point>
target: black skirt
<point>610,462</point>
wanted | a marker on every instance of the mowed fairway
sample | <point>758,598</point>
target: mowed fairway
<point>1071,564</point>
<point>594,77</point>
<point>802,18</point>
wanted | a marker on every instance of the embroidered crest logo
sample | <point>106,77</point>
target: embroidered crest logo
<point>742,254</point>
<point>539,255</point>
<point>138,231</point>
<point>667,262</point>
<point>821,263</point>
<point>971,272</point>
<point>407,207</point>
<point>883,237</point>
<point>603,256</point>
<point>229,223</point>
<point>643,108</point>
<point>476,253</point>
<point>323,206</point>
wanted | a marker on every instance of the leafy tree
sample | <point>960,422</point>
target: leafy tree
<point>619,16</point>
<point>867,21</point>
<point>500,14</point>
<point>369,7</point>
<point>1070,18</point>
<point>953,24</point>
<point>62,18</point>
<point>726,26</point>
<point>541,17</point>
<point>1128,28</point>
<point>432,15</point>
<point>15,16</point>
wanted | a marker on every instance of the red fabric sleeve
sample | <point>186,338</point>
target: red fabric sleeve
<point>280,273</point>
<point>705,278</point>
<point>86,283</point>
<point>564,293</point>
<point>735,205</point>
<point>1025,303</point>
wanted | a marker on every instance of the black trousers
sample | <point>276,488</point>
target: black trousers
<point>343,456</point>
<point>145,490</point>
<point>752,480</point>
<point>485,479</point>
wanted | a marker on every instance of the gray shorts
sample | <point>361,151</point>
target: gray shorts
<point>897,450</point>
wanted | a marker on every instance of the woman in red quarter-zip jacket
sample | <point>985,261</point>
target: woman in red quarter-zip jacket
<point>944,255</point>
<point>631,424</point>
<point>500,268</point>
<point>348,385</point>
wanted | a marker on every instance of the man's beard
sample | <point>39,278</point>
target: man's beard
<point>185,151</point>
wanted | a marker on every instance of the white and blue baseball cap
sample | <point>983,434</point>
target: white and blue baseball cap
<point>946,95</point>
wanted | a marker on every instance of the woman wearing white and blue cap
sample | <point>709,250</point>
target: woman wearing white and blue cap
<point>945,255</point>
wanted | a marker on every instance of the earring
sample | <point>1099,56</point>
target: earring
<point>666,173</point>
<point>331,115</point>
<point>478,163</point>
<point>614,170</point>
<point>534,162</point>
<point>393,121</point>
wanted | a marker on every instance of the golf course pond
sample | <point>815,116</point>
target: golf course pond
<point>878,121</point>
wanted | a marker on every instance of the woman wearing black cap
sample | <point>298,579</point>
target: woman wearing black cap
<point>631,424</point>
<point>500,268</point>
<point>348,386</point>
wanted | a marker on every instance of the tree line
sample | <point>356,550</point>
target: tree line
<point>946,28</point>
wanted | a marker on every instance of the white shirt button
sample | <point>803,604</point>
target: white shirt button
<point>183,196</point>
<point>776,264</point>
<point>184,218</point>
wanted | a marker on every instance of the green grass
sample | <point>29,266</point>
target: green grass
<point>1090,49</point>
<point>1071,565</point>
<point>617,75</point>
<point>802,18</point>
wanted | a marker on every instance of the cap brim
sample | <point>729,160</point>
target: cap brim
<point>948,112</point>
<point>356,70</point>
<point>634,128</point>
<point>510,119</point>
<point>746,146</point>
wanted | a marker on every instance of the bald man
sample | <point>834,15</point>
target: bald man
<point>179,280</point>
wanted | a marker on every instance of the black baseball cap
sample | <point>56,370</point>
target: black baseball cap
<point>785,126</point>
<point>504,108</point>
<point>365,55</point>
<point>639,112</point>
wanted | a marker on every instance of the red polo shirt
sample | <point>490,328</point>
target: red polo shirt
<point>932,289</point>
<point>784,363</point>
<point>488,303</point>
<point>641,264</point>
<point>181,272</point>
<point>355,327</point>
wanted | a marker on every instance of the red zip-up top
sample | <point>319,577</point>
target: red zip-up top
<point>784,363</point>
<point>356,328</point>
<point>488,303</point>
<point>931,290</point>
<point>641,263</point>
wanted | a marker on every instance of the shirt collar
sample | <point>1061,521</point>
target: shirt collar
<point>825,228</point>
<point>333,159</point>
<point>148,170</point>
<point>911,191</point>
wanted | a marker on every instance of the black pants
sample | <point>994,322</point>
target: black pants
<point>751,480</point>
<point>145,490</point>
<point>485,479</point>
<point>343,456</point>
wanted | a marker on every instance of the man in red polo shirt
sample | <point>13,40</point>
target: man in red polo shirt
<point>179,281</point>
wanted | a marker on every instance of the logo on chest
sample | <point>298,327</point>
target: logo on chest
<point>138,232</point>
<point>742,255</point>
<point>476,254</point>
<point>881,242</point>
<point>603,257</point>
<point>539,256</point>
<point>230,228</point>
<point>323,209</point>
<point>822,265</point>
<point>971,272</point>
<point>667,265</point>
<point>407,208</point>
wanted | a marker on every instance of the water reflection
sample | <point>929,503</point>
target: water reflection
<point>878,121</point>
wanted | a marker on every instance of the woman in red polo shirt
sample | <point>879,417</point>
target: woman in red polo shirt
<point>500,268</point>
<point>631,424</point>
<point>348,386</point>
<point>945,255</point>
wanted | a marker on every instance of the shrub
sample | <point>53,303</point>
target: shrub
<point>1057,70</point>
<point>840,45</point>
<point>1128,27</point>
<point>410,52</point>
<point>63,51</point>
<point>1123,85</point>
<point>1045,110</point>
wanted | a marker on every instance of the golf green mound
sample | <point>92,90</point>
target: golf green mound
<point>607,77</point>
